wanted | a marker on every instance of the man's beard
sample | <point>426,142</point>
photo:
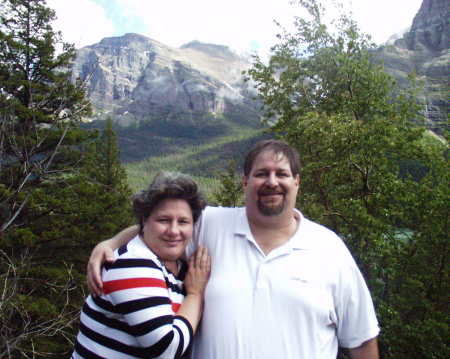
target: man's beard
<point>269,210</point>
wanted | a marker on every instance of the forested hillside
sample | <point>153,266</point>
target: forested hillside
<point>370,171</point>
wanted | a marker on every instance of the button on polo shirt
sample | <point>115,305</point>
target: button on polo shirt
<point>293,303</point>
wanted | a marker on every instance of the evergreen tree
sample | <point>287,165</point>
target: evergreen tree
<point>40,143</point>
<point>113,195</point>
<point>70,217</point>
<point>229,193</point>
<point>39,106</point>
<point>369,172</point>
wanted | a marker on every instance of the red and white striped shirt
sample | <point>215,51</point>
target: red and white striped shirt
<point>136,315</point>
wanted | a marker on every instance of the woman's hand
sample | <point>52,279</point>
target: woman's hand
<point>198,273</point>
<point>102,252</point>
<point>195,282</point>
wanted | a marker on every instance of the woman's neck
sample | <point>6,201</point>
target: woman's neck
<point>172,266</point>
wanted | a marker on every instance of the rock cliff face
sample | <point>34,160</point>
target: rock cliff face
<point>430,27</point>
<point>133,77</point>
<point>425,50</point>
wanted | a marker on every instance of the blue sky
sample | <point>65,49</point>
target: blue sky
<point>244,25</point>
<point>114,10</point>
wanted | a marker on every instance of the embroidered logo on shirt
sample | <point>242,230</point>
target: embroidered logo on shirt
<point>301,280</point>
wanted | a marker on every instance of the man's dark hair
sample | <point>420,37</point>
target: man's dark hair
<point>278,147</point>
<point>167,185</point>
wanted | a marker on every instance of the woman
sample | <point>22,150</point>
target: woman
<point>144,311</point>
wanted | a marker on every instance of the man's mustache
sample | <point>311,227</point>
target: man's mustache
<point>270,191</point>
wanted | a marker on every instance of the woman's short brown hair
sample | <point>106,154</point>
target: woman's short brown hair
<point>168,185</point>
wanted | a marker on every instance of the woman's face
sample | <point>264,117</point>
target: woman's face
<point>169,228</point>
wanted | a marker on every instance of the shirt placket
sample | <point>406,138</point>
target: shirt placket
<point>263,316</point>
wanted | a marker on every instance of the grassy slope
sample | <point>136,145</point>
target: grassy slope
<point>201,160</point>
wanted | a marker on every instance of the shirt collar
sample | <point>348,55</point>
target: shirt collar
<point>300,239</point>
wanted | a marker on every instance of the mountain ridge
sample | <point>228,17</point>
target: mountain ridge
<point>195,93</point>
<point>133,77</point>
<point>424,50</point>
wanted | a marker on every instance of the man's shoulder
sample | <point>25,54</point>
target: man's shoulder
<point>221,219</point>
<point>320,236</point>
<point>318,228</point>
<point>223,209</point>
<point>212,212</point>
<point>309,225</point>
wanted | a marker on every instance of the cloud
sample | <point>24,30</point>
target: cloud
<point>249,25</point>
<point>244,25</point>
<point>384,18</point>
<point>235,23</point>
<point>82,22</point>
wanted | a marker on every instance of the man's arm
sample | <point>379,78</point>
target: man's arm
<point>368,350</point>
<point>103,252</point>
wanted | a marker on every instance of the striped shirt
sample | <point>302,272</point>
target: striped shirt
<point>135,317</point>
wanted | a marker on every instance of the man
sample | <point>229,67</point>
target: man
<point>281,286</point>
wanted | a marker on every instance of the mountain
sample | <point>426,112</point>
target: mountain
<point>425,50</point>
<point>165,100</point>
<point>134,78</point>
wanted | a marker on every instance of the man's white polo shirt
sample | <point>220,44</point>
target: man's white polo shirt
<point>301,301</point>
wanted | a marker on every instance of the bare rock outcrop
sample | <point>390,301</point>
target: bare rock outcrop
<point>425,50</point>
<point>132,77</point>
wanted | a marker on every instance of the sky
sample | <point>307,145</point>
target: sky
<point>246,26</point>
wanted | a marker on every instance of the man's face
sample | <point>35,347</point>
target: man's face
<point>270,188</point>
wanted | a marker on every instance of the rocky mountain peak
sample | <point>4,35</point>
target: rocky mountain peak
<point>213,50</point>
<point>137,43</point>
<point>133,77</point>
<point>430,28</point>
<point>124,40</point>
<point>424,50</point>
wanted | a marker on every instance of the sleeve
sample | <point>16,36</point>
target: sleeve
<point>357,320</point>
<point>137,288</point>
<point>210,228</point>
<point>198,233</point>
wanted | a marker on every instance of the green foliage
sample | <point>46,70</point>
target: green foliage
<point>230,192</point>
<point>169,133</point>
<point>369,172</point>
<point>109,180</point>
<point>202,161</point>
<point>48,256</point>
<point>187,125</point>
<point>60,191</point>
<point>39,136</point>
<point>39,105</point>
